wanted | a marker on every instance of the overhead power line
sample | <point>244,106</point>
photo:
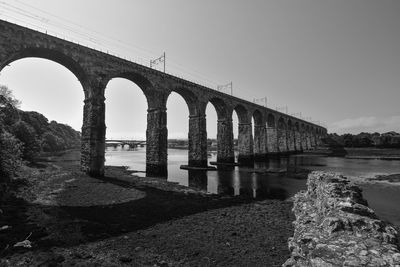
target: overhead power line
<point>105,43</point>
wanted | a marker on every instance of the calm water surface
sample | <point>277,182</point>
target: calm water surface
<point>278,184</point>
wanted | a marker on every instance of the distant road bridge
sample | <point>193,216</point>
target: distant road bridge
<point>274,132</point>
<point>130,143</point>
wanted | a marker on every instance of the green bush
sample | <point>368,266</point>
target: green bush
<point>27,135</point>
<point>52,143</point>
<point>10,156</point>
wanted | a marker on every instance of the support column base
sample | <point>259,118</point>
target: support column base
<point>156,170</point>
<point>260,157</point>
<point>230,160</point>
<point>246,160</point>
<point>198,163</point>
<point>95,173</point>
<point>193,168</point>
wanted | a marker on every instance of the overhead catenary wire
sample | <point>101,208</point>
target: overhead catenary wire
<point>97,39</point>
<point>107,43</point>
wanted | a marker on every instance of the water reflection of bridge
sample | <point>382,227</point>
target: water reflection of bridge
<point>278,178</point>
<point>123,143</point>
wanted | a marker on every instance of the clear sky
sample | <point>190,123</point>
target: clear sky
<point>337,61</point>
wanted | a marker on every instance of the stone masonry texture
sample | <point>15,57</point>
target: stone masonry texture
<point>245,143</point>
<point>335,227</point>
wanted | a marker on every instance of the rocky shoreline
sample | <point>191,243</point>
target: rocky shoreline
<point>335,227</point>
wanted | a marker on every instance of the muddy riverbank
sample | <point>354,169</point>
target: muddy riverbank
<point>69,219</point>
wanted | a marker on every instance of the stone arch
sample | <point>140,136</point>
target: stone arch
<point>282,123</point>
<point>289,124</point>
<point>258,117</point>
<point>296,126</point>
<point>156,127</point>
<point>52,55</point>
<point>142,82</point>
<point>271,121</point>
<point>221,108</point>
<point>93,127</point>
<point>125,98</point>
<point>242,113</point>
<point>192,100</point>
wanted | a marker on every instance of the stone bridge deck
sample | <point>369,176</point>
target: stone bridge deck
<point>274,132</point>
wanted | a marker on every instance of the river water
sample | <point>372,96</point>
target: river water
<point>275,183</point>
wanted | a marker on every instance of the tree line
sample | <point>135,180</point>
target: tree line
<point>385,140</point>
<point>26,134</point>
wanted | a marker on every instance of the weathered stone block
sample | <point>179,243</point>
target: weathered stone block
<point>334,227</point>
<point>245,144</point>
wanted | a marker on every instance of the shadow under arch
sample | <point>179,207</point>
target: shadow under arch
<point>296,126</point>
<point>271,121</point>
<point>282,124</point>
<point>242,114</point>
<point>258,117</point>
<point>221,108</point>
<point>290,124</point>
<point>52,55</point>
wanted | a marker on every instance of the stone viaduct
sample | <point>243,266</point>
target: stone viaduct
<point>274,132</point>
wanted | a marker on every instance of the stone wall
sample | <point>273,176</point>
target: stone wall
<point>335,227</point>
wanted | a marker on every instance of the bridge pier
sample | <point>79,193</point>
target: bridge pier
<point>225,153</point>
<point>282,140</point>
<point>303,140</point>
<point>197,141</point>
<point>314,140</point>
<point>272,140</point>
<point>319,141</point>
<point>290,141</point>
<point>297,141</point>
<point>245,143</point>
<point>309,145</point>
<point>156,135</point>
<point>93,136</point>
<point>260,149</point>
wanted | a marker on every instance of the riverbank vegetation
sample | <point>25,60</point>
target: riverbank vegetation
<point>26,134</point>
<point>384,140</point>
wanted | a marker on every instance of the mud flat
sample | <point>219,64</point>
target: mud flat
<point>65,218</point>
